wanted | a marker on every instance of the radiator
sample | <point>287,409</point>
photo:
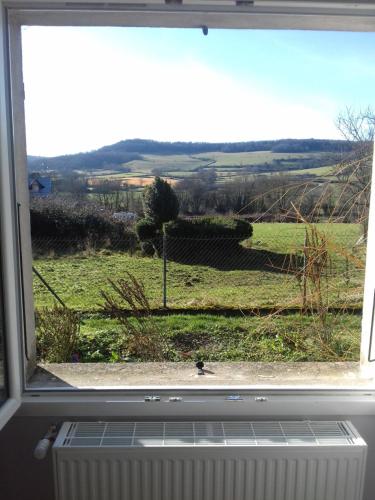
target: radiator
<point>209,461</point>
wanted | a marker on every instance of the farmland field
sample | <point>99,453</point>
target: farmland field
<point>226,165</point>
<point>251,158</point>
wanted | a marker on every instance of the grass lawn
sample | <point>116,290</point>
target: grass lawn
<point>78,279</point>
<point>220,338</point>
<point>285,237</point>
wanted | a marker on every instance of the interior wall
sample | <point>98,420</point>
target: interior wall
<point>22,477</point>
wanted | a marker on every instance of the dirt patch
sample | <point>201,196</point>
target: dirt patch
<point>131,181</point>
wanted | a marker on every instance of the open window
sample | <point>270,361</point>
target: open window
<point>175,281</point>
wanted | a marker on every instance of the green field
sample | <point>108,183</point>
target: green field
<point>319,171</point>
<point>254,281</point>
<point>209,295</point>
<point>250,158</point>
<point>226,165</point>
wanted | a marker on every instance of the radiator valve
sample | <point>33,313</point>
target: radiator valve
<point>44,444</point>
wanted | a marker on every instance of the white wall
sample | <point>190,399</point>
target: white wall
<point>24,478</point>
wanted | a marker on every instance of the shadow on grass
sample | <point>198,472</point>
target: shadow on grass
<point>231,256</point>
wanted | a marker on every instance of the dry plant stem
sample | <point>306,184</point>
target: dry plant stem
<point>57,333</point>
<point>347,199</point>
<point>142,338</point>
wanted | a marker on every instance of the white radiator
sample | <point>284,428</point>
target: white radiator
<point>209,461</point>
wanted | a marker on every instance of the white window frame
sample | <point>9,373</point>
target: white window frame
<point>265,14</point>
<point>9,255</point>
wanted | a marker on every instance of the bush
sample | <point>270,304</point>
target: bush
<point>146,229</point>
<point>209,227</point>
<point>160,202</point>
<point>147,248</point>
<point>57,334</point>
<point>65,225</point>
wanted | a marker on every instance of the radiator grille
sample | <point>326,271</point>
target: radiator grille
<point>299,460</point>
<point>164,434</point>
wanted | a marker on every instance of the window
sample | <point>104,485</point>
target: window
<point>37,187</point>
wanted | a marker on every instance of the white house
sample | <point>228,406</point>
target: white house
<point>125,216</point>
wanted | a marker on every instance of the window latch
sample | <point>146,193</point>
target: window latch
<point>261,399</point>
<point>151,399</point>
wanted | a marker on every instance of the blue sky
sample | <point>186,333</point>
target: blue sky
<point>87,87</point>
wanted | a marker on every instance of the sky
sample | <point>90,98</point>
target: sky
<point>90,87</point>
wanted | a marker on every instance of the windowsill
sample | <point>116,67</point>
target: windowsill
<point>338,375</point>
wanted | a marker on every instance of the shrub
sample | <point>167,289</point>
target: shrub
<point>64,225</point>
<point>147,248</point>
<point>209,227</point>
<point>160,202</point>
<point>146,229</point>
<point>57,334</point>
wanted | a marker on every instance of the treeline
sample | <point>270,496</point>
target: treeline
<point>288,164</point>
<point>311,146</point>
<point>267,198</point>
<point>143,146</point>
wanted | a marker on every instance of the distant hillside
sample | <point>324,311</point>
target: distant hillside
<point>94,160</point>
<point>113,157</point>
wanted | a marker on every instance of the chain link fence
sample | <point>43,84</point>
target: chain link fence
<point>267,271</point>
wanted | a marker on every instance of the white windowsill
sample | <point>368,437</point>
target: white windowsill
<point>218,375</point>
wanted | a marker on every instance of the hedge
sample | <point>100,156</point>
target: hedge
<point>65,226</point>
<point>209,227</point>
<point>146,229</point>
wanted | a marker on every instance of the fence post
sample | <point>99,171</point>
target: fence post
<point>164,271</point>
<point>347,275</point>
<point>304,277</point>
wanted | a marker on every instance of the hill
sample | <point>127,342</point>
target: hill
<point>119,157</point>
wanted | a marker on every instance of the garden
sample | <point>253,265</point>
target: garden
<point>212,288</point>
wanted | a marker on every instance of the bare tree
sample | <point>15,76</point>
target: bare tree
<point>108,192</point>
<point>354,171</point>
<point>357,126</point>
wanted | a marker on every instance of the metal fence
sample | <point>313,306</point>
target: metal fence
<point>268,271</point>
